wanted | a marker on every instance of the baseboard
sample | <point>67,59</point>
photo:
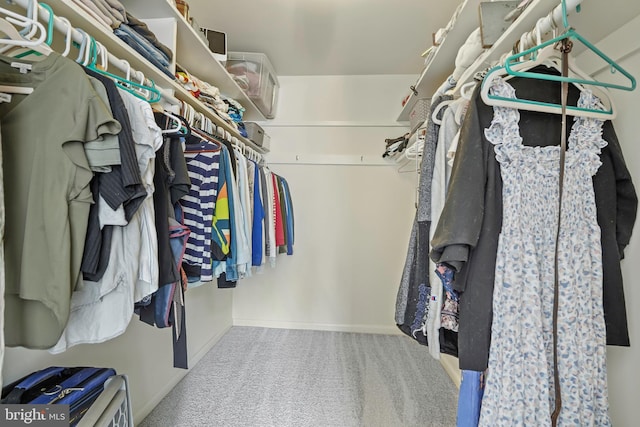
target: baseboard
<point>450,365</point>
<point>146,409</point>
<point>276,324</point>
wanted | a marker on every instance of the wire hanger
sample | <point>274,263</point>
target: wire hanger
<point>544,53</point>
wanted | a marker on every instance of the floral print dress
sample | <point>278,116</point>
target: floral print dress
<point>520,384</point>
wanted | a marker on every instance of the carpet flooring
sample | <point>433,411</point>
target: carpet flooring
<point>259,377</point>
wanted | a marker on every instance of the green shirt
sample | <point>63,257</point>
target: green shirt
<point>47,192</point>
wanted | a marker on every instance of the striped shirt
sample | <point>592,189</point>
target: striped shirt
<point>199,207</point>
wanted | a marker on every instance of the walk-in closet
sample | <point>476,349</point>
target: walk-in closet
<point>319,213</point>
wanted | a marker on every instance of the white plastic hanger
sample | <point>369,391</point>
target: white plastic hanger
<point>68,37</point>
<point>188,113</point>
<point>142,79</point>
<point>178,124</point>
<point>32,14</point>
<point>22,37</point>
<point>15,39</point>
<point>467,89</point>
<point>436,111</point>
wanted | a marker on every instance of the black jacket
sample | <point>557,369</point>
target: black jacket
<point>466,236</point>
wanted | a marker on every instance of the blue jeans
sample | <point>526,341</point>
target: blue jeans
<point>470,398</point>
<point>144,48</point>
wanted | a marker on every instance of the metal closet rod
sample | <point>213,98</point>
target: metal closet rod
<point>77,37</point>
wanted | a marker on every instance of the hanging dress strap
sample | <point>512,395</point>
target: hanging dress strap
<point>566,48</point>
<point>504,131</point>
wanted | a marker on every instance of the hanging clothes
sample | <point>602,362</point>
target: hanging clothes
<point>101,310</point>
<point>290,219</point>
<point>447,339</point>
<point>466,237</point>
<point>278,212</point>
<point>251,176</point>
<point>257,233</point>
<point>244,219</point>
<point>270,209</point>
<point>470,399</point>
<point>199,207</point>
<point>226,271</point>
<point>519,388</point>
<point>119,190</point>
<point>2,274</point>
<point>171,182</point>
<point>123,182</point>
<point>49,193</point>
<point>102,155</point>
<point>415,293</point>
<point>283,209</point>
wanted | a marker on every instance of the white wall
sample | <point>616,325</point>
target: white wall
<point>622,370</point>
<point>143,353</point>
<point>622,363</point>
<point>352,222</point>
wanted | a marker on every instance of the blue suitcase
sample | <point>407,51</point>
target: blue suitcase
<point>77,387</point>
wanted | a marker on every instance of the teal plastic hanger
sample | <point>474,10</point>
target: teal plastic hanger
<point>515,61</point>
<point>570,33</point>
<point>125,84</point>
<point>49,39</point>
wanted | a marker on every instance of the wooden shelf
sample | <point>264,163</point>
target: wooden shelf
<point>79,19</point>
<point>193,54</point>
<point>443,61</point>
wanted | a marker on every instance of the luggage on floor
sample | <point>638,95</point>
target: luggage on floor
<point>77,387</point>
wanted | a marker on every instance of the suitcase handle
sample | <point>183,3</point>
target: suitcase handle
<point>71,382</point>
<point>15,396</point>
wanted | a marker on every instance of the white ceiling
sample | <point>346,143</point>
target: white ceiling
<point>351,37</point>
<point>329,37</point>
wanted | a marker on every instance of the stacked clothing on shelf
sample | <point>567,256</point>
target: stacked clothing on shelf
<point>227,109</point>
<point>110,13</point>
<point>136,34</point>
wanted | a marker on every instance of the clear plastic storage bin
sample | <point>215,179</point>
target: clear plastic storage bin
<point>254,74</point>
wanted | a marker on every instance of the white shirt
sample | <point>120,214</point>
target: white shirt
<point>241,209</point>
